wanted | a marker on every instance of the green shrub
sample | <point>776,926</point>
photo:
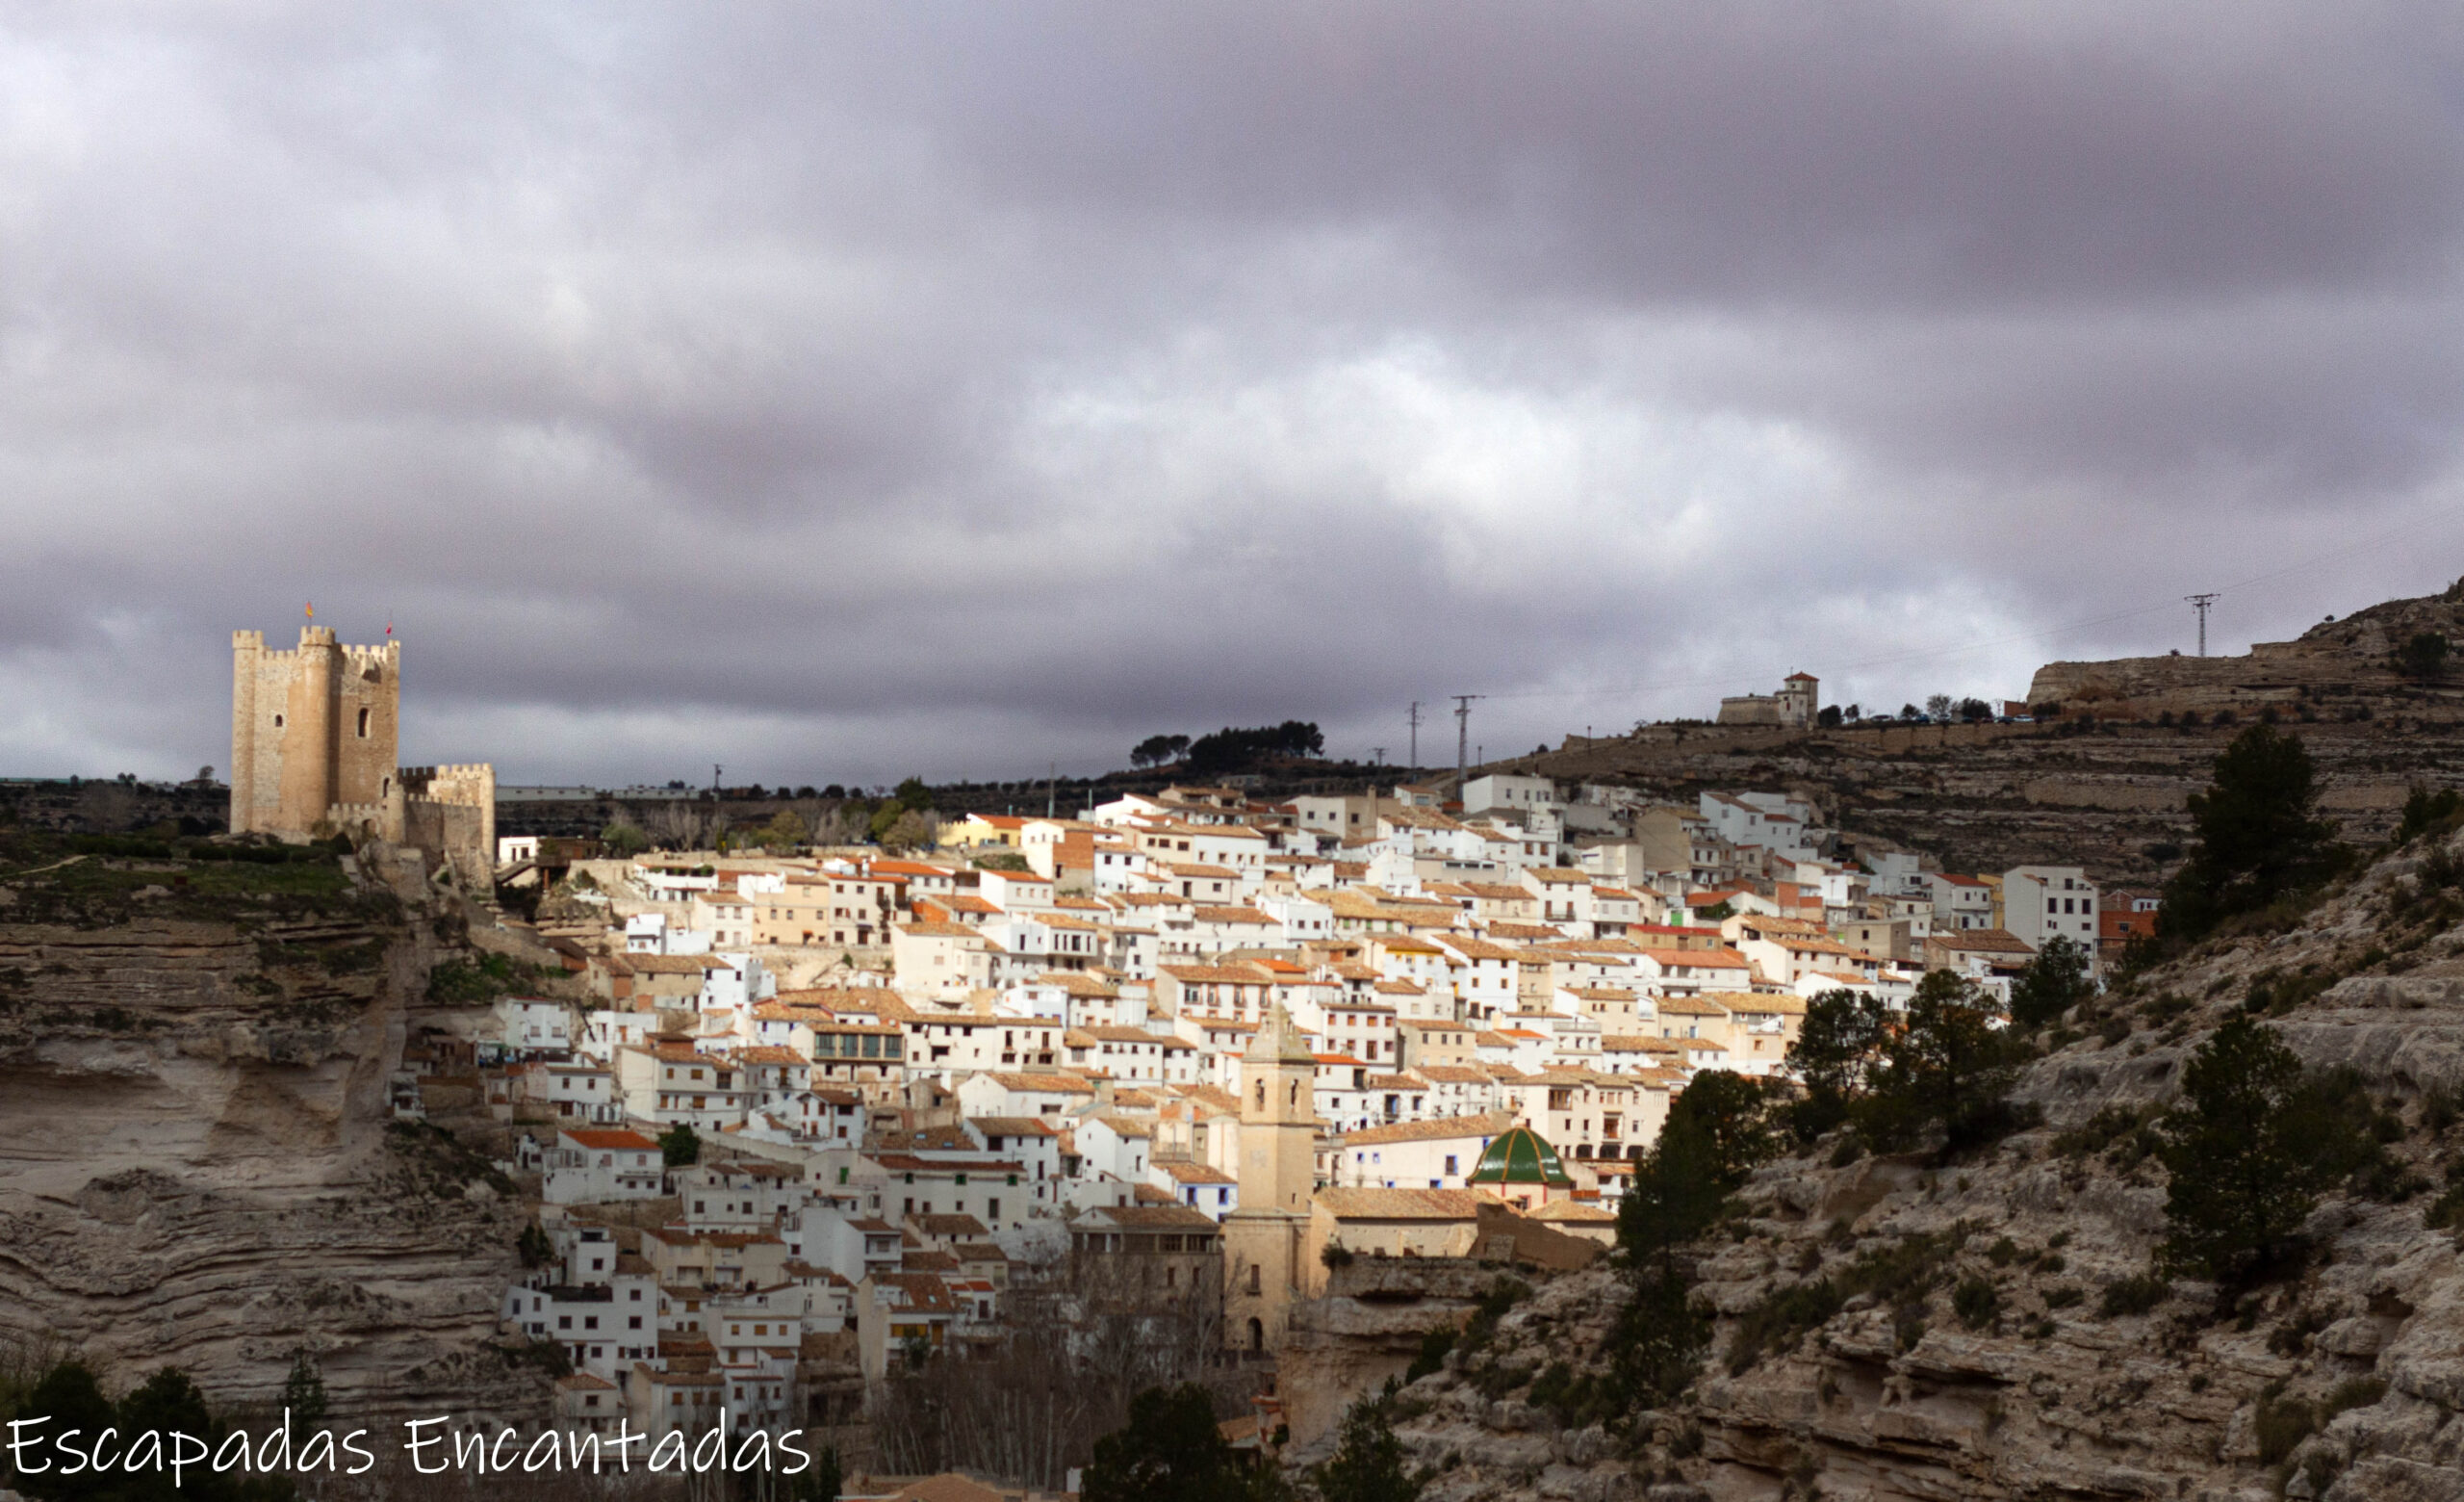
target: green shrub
<point>1900,1275</point>
<point>2134,1295</point>
<point>2062,1296</point>
<point>1431,1357</point>
<point>1977,1303</point>
<point>1502,1295</point>
<point>481,979</point>
<point>2352,1393</point>
<point>2282,1425</point>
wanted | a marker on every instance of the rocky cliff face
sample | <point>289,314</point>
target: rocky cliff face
<point>198,1166</point>
<point>2062,1369</point>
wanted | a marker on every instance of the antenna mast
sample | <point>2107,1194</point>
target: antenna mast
<point>1416,735</point>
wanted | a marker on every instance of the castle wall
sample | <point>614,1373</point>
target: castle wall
<point>451,812</point>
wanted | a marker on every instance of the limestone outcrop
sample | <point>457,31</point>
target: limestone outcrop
<point>198,1161</point>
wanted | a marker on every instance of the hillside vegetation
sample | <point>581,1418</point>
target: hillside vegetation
<point>2194,1237</point>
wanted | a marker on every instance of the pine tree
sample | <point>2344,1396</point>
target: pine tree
<point>823,1481</point>
<point>1368,1463</point>
<point>2052,983</point>
<point>1676,1195</point>
<point>1837,1046</point>
<point>1169,1451</point>
<point>681,1145</point>
<point>303,1393</point>
<point>1950,1066</point>
<point>2249,1147</point>
<point>2259,838</point>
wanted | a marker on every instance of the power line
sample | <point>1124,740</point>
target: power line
<point>1462,735</point>
<point>2034,634</point>
<point>2200,603</point>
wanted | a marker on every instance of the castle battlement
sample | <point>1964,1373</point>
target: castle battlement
<point>450,770</point>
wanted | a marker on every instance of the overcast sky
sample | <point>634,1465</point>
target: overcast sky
<point>843,391</point>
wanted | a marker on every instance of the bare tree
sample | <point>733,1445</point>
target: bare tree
<point>1075,1347</point>
<point>677,824</point>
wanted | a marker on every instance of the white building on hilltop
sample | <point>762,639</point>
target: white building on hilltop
<point>1795,706</point>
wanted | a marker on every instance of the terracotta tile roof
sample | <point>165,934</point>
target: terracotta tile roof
<point>1487,1124</point>
<point>610,1140</point>
<point>1416,1205</point>
<point>1196,1173</point>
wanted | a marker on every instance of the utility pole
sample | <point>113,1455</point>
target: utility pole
<point>1416,734</point>
<point>2200,603</point>
<point>1051,788</point>
<point>1376,756</point>
<point>716,771</point>
<point>1462,736</point>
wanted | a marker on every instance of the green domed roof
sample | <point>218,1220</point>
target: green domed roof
<point>1522,1156</point>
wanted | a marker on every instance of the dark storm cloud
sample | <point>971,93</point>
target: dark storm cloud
<point>840,390</point>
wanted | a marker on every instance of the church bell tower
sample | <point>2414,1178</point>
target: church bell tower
<point>1278,1175</point>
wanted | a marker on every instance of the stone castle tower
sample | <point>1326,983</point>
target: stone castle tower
<point>315,735</point>
<point>1279,1174</point>
<point>311,728</point>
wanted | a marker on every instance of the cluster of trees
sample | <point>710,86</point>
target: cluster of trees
<point>1171,1451</point>
<point>905,820</point>
<point>1946,1066</point>
<point>1081,1346</point>
<point>1231,749</point>
<point>67,1394</point>
<point>1157,750</point>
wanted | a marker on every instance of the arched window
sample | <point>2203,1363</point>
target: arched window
<point>363,724</point>
<point>1294,1099</point>
<point>1262,1095</point>
<point>1257,1335</point>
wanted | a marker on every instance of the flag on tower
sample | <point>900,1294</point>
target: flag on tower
<point>311,610</point>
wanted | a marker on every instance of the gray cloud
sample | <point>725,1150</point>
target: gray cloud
<point>840,390</point>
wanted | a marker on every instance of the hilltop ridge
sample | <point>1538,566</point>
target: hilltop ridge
<point>2104,780</point>
<point>2336,667</point>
